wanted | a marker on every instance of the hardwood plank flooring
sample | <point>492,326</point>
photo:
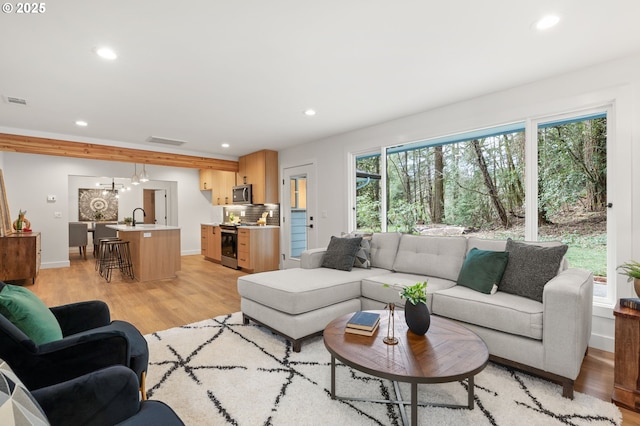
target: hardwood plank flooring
<point>204,290</point>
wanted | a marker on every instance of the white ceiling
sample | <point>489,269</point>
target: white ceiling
<point>243,71</point>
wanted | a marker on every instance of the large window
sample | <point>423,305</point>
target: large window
<point>369,193</point>
<point>475,184</point>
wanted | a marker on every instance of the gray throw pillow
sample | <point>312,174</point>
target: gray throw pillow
<point>341,253</point>
<point>529,268</point>
<point>363,256</point>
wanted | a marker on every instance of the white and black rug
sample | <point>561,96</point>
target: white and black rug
<point>219,372</point>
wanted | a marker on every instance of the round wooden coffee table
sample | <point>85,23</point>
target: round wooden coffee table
<point>448,352</point>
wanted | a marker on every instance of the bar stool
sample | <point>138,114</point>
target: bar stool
<point>103,255</point>
<point>115,255</point>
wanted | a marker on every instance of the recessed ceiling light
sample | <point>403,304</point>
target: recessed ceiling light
<point>82,123</point>
<point>547,22</point>
<point>225,145</point>
<point>310,112</point>
<point>106,53</point>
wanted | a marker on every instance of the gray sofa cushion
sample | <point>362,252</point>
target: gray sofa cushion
<point>529,268</point>
<point>373,287</point>
<point>501,245</point>
<point>384,247</point>
<point>297,290</point>
<point>341,253</point>
<point>501,311</point>
<point>432,256</point>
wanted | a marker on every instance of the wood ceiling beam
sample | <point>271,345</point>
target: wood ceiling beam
<point>61,148</point>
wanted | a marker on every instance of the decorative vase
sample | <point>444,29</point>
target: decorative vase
<point>418,317</point>
<point>636,286</point>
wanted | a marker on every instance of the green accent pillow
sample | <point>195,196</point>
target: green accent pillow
<point>483,269</point>
<point>27,312</point>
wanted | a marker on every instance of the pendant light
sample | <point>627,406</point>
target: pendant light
<point>144,177</point>
<point>134,178</point>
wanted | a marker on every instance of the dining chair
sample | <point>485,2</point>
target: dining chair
<point>78,237</point>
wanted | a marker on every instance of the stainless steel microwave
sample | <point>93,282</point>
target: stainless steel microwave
<point>242,194</point>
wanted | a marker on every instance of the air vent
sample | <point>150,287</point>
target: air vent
<point>14,100</point>
<point>165,141</point>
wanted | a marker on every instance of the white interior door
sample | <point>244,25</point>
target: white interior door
<point>298,213</point>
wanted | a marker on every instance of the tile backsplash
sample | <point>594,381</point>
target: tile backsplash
<point>254,212</point>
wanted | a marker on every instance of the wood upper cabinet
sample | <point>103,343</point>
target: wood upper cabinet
<point>206,179</point>
<point>259,249</point>
<point>220,183</point>
<point>260,169</point>
<point>20,256</point>
<point>211,245</point>
<point>222,193</point>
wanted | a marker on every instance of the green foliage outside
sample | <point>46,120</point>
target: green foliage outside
<point>479,185</point>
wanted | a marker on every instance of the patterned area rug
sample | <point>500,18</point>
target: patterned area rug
<point>219,371</point>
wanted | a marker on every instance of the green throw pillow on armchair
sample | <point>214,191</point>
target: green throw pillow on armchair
<point>483,269</point>
<point>27,312</point>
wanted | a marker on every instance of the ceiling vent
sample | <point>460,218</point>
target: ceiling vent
<point>17,101</point>
<point>165,141</point>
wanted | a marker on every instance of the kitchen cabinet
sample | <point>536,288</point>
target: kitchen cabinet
<point>220,183</point>
<point>260,169</point>
<point>206,179</point>
<point>20,255</point>
<point>211,244</point>
<point>259,248</point>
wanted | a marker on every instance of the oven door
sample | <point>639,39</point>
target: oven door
<point>229,241</point>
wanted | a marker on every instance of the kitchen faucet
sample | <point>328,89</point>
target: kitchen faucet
<point>133,215</point>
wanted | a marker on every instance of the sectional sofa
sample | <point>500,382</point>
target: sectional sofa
<point>544,328</point>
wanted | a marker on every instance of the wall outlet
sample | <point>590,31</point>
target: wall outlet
<point>51,198</point>
<point>242,213</point>
<point>57,215</point>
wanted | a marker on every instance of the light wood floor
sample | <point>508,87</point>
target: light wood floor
<point>204,290</point>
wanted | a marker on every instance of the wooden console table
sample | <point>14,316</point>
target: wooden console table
<point>626,375</point>
<point>20,256</point>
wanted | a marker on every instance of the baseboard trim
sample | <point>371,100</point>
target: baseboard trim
<point>52,265</point>
<point>602,342</point>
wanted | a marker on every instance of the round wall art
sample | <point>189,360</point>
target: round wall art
<point>97,204</point>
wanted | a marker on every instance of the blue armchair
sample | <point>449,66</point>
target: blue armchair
<point>104,397</point>
<point>90,341</point>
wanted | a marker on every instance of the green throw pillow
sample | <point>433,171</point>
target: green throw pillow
<point>27,312</point>
<point>482,269</point>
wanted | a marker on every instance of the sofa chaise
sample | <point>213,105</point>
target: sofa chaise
<point>545,333</point>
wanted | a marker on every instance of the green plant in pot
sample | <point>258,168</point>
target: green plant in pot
<point>416,312</point>
<point>128,220</point>
<point>632,270</point>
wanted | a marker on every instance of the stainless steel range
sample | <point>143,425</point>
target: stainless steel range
<point>229,237</point>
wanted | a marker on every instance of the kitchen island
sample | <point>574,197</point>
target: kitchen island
<point>155,250</point>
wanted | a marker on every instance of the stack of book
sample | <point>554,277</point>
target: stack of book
<point>363,323</point>
<point>630,302</point>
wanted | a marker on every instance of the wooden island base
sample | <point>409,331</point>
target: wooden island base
<point>155,251</point>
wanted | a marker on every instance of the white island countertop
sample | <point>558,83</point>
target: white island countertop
<point>142,227</point>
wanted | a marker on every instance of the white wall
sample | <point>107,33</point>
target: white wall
<point>29,179</point>
<point>616,83</point>
<point>128,199</point>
